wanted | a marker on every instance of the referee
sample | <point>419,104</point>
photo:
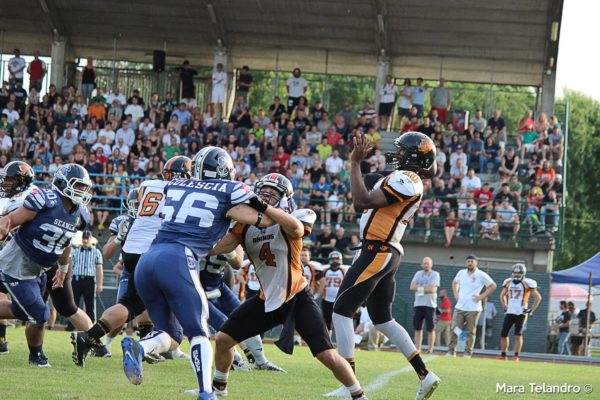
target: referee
<point>87,274</point>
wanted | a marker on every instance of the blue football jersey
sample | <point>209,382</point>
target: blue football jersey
<point>212,269</point>
<point>194,212</point>
<point>45,237</point>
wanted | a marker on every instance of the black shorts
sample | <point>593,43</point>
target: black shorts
<point>423,313</point>
<point>251,293</point>
<point>371,278</point>
<point>131,299</point>
<point>327,308</point>
<point>250,319</point>
<point>385,109</point>
<point>512,319</point>
<point>3,289</point>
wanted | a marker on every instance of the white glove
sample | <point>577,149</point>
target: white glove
<point>287,204</point>
<point>123,229</point>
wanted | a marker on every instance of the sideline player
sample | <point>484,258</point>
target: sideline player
<point>140,235</point>
<point>312,274</point>
<point>222,302</point>
<point>372,278</point>
<point>197,213</point>
<point>517,289</point>
<point>285,296</point>
<point>333,274</point>
<point>249,276</point>
<point>47,221</point>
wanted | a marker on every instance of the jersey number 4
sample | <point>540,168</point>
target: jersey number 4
<point>267,255</point>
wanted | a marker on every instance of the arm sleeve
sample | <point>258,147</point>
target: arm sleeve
<point>415,277</point>
<point>114,225</point>
<point>487,280</point>
<point>241,193</point>
<point>437,279</point>
<point>458,276</point>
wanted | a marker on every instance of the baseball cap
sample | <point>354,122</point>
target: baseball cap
<point>459,146</point>
<point>472,257</point>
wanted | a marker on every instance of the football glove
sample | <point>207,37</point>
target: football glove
<point>123,230</point>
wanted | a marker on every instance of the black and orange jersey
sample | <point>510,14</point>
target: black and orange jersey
<point>387,224</point>
<point>312,275</point>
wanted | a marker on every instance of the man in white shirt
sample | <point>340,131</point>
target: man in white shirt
<point>126,133</point>
<point>479,122</point>
<point>508,217</point>
<point>467,213</point>
<point>387,98</point>
<point>219,84</point>
<point>122,146</point>
<point>5,141</point>
<point>418,99</point>
<point>115,94</point>
<point>425,284</point>
<point>296,87</point>
<point>334,164</point>
<point>16,65</point>
<point>103,146</point>
<point>146,126</point>
<point>89,134</point>
<point>135,110</point>
<point>459,153</point>
<point>11,114</point>
<point>467,286</point>
<point>107,133</point>
<point>489,228</point>
<point>471,182</point>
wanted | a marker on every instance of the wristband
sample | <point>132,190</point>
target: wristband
<point>258,204</point>
<point>63,268</point>
<point>117,240</point>
<point>259,219</point>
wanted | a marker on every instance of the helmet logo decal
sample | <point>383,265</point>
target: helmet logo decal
<point>23,169</point>
<point>425,146</point>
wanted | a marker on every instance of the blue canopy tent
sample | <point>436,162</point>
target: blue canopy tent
<point>580,273</point>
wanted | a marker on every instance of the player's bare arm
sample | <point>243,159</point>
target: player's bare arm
<point>455,286</point>
<point>16,218</point>
<point>227,244</point>
<point>235,257</point>
<point>537,299</point>
<point>110,248</point>
<point>362,198</point>
<point>247,215</point>
<point>503,297</point>
<point>290,224</point>
<point>63,266</point>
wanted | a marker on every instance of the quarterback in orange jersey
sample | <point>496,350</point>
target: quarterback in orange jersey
<point>389,206</point>
<point>285,297</point>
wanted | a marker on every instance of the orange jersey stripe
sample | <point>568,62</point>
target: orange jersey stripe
<point>383,221</point>
<point>296,280</point>
<point>376,265</point>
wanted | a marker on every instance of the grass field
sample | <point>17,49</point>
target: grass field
<point>385,375</point>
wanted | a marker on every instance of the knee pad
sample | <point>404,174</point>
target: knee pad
<point>62,299</point>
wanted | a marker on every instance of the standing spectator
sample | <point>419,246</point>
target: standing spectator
<point>16,65</point>
<point>387,98</point>
<point>444,323</point>
<point>368,112</point>
<point>475,152</point>
<point>87,274</point>
<point>219,85</point>
<point>583,327</point>
<point>564,325</point>
<point>425,284</point>
<point>188,89</point>
<point>37,70</point>
<point>441,100</point>
<point>418,100</point>
<point>88,80</point>
<point>467,287</point>
<point>296,87</point>
<point>244,83</point>
<point>406,98</point>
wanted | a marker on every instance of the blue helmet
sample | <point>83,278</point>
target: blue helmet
<point>213,163</point>
<point>73,182</point>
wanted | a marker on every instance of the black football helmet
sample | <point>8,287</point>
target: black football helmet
<point>213,163</point>
<point>73,182</point>
<point>415,152</point>
<point>177,167</point>
<point>278,182</point>
<point>518,272</point>
<point>131,202</point>
<point>15,178</point>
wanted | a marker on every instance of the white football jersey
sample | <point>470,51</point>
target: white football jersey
<point>8,205</point>
<point>333,280</point>
<point>276,259</point>
<point>250,275</point>
<point>147,218</point>
<point>388,223</point>
<point>518,294</point>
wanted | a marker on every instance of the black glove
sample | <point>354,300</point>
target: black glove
<point>258,204</point>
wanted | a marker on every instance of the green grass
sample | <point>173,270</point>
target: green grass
<point>306,378</point>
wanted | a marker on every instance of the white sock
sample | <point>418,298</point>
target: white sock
<point>398,335</point>
<point>344,334</point>
<point>243,346</point>
<point>256,348</point>
<point>156,342</point>
<point>108,341</point>
<point>201,358</point>
<point>221,376</point>
<point>354,388</point>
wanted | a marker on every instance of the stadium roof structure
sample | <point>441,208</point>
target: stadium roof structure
<point>502,41</point>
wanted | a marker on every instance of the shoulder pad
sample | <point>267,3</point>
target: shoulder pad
<point>506,282</point>
<point>403,183</point>
<point>531,284</point>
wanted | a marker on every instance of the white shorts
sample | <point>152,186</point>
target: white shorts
<point>218,95</point>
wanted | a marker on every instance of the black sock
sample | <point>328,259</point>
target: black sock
<point>145,329</point>
<point>35,350</point>
<point>219,385</point>
<point>97,331</point>
<point>249,355</point>
<point>2,333</point>
<point>503,354</point>
<point>352,364</point>
<point>357,395</point>
<point>419,366</point>
<point>516,354</point>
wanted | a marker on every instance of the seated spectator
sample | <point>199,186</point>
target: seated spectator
<point>324,123</point>
<point>271,138</point>
<point>489,228</point>
<point>475,151</point>
<point>332,136</point>
<point>334,164</point>
<point>347,114</point>
<point>335,208</point>
<point>282,157</point>
<point>349,210</point>
<point>135,110</point>
<point>457,172</point>
<point>242,170</point>
<point>550,208</point>
<point>542,144</point>
<point>533,165</point>
<point>556,145</point>
<point>277,168</point>
<point>458,154</point>
<point>374,136</point>
<point>450,226</point>
<point>492,154</point>
<point>262,119</point>
<point>429,207</point>
<point>377,160</point>
<point>467,214</point>
<point>478,121</point>
<point>484,197</point>
<point>276,109</point>
<point>503,194</point>
<point>526,123</point>
<point>508,217</point>
<point>534,198</point>
<point>324,149</point>
<point>509,164</point>
<point>368,112</point>
<point>301,123</point>
<point>326,241</point>
<point>412,125</point>
<point>6,143</point>
<point>497,122</point>
<point>541,124</point>
<point>471,182</point>
<point>426,127</point>
<point>528,142</point>
<point>544,176</point>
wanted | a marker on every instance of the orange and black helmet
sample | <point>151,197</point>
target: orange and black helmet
<point>177,167</point>
<point>15,177</point>
<point>414,152</point>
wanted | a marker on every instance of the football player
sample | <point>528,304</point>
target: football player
<point>284,296</point>
<point>333,274</point>
<point>197,213</point>
<point>139,236</point>
<point>515,295</point>
<point>312,273</point>
<point>389,206</point>
<point>46,221</point>
<point>249,276</point>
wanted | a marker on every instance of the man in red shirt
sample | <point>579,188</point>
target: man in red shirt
<point>484,197</point>
<point>332,136</point>
<point>444,323</point>
<point>37,70</point>
<point>282,157</point>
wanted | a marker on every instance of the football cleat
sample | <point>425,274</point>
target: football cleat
<point>207,396</point>
<point>269,366</point>
<point>501,358</point>
<point>240,365</point>
<point>177,353</point>
<point>100,351</point>
<point>515,358</point>
<point>342,391</point>
<point>220,393</point>
<point>132,360</point>
<point>81,347</point>
<point>427,386</point>
<point>39,360</point>
<point>3,348</point>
